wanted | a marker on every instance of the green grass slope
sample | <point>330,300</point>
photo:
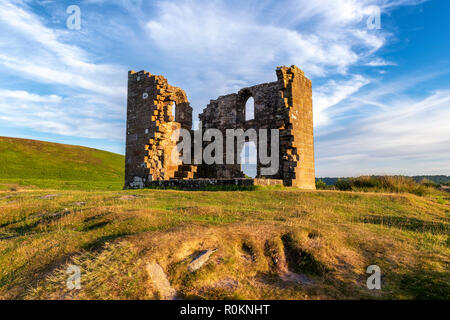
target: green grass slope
<point>60,166</point>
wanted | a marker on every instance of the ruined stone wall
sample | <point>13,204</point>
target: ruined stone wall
<point>228,112</point>
<point>150,125</point>
<point>297,137</point>
<point>285,104</point>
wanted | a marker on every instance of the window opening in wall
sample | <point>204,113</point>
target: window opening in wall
<point>249,159</point>
<point>250,109</point>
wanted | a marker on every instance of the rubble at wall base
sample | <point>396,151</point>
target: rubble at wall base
<point>198,184</point>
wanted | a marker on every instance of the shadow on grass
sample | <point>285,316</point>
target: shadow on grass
<point>25,229</point>
<point>300,261</point>
<point>328,285</point>
<point>95,225</point>
<point>30,226</point>
<point>411,224</point>
<point>8,223</point>
<point>99,242</point>
<point>23,278</point>
<point>426,285</point>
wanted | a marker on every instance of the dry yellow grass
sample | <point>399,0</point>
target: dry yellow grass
<point>272,244</point>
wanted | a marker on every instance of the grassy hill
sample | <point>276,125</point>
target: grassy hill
<point>271,244</point>
<point>53,165</point>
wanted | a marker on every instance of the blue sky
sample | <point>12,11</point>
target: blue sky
<point>381,96</point>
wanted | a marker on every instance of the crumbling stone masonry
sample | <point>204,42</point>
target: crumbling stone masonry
<point>285,104</point>
<point>150,125</point>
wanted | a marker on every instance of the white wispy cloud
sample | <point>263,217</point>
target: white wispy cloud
<point>38,53</point>
<point>242,41</point>
<point>25,96</point>
<point>332,93</point>
<point>64,116</point>
<point>379,62</point>
<point>213,41</point>
<point>404,136</point>
<point>91,95</point>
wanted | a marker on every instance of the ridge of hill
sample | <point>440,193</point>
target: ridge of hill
<point>48,164</point>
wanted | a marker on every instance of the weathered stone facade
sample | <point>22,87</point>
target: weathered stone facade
<point>150,125</point>
<point>285,104</point>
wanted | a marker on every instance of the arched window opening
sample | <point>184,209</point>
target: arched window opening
<point>173,109</point>
<point>249,157</point>
<point>250,109</point>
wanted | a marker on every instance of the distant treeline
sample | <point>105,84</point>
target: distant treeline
<point>437,179</point>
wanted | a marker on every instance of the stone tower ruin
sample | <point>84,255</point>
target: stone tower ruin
<point>285,104</point>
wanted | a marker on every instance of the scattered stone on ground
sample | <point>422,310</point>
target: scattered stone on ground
<point>6,197</point>
<point>228,283</point>
<point>49,196</point>
<point>200,260</point>
<point>247,257</point>
<point>78,204</point>
<point>296,277</point>
<point>138,183</point>
<point>160,281</point>
<point>128,197</point>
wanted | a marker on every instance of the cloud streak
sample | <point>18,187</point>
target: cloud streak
<point>403,136</point>
<point>91,96</point>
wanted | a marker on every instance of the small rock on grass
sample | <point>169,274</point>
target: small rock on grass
<point>296,277</point>
<point>78,204</point>
<point>227,283</point>
<point>128,197</point>
<point>201,259</point>
<point>49,196</point>
<point>162,284</point>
